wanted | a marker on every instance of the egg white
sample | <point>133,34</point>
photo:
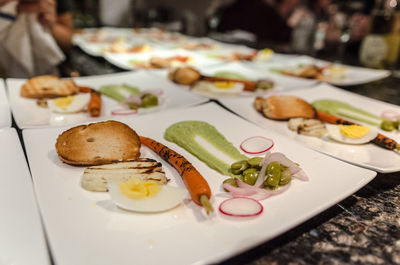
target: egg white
<point>335,134</point>
<point>166,199</point>
<point>78,104</point>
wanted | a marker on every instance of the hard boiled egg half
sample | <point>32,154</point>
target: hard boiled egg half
<point>69,104</point>
<point>351,134</point>
<point>145,196</point>
<point>225,87</point>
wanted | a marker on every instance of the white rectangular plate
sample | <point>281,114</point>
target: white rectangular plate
<point>21,234</point>
<point>94,41</point>
<point>28,114</point>
<point>5,113</point>
<point>366,155</point>
<point>280,82</point>
<point>352,76</point>
<point>86,228</point>
<point>124,60</point>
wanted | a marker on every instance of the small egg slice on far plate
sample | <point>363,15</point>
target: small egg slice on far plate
<point>69,104</point>
<point>166,198</point>
<point>351,134</point>
<point>225,87</point>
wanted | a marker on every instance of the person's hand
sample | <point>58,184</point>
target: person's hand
<point>46,10</point>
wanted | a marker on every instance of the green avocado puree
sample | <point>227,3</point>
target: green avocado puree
<point>206,143</point>
<point>338,108</point>
<point>230,75</point>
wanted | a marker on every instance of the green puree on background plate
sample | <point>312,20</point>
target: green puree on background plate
<point>230,75</point>
<point>206,143</point>
<point>119,92</point>
<point>339,108</point>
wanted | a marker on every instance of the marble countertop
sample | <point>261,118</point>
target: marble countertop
<point>362,229</point>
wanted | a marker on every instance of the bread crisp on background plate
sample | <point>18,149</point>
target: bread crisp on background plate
<point>48,86</point>
<point>284,107</point>
<point>98,143</point>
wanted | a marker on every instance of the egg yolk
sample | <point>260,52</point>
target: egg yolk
<point>354,131</point>
<point>337,69</point>
<point>137,189</point>
<point>266,52</point>
<point>64,102</point>
<point>224,85</point>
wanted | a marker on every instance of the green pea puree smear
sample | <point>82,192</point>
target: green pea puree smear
<point>206,143</point>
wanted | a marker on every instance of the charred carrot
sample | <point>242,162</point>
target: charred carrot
<point>328,118</point>
<point>248,85</point>
<point>194,181</point>
<point>94,106</point>
<point>380,140</point>
<point>84,89</point>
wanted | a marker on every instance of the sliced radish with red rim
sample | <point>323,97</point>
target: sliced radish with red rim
<point>241,207</point>
<point>124,111</point>
<point>256,145</point>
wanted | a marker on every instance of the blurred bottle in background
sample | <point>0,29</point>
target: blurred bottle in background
<point>380,48</point>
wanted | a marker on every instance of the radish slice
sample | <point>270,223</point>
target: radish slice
<point>391,115</point>
<point>241,207</point>
<point>124,111</point>
<point>256,145</point>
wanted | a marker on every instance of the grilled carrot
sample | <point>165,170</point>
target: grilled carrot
<point>94,106</point>
<point>195,183</point>
<point>380,140</point>
<point>84,89</point>
<point>328,118</point>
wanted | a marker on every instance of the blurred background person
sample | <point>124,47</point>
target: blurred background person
<point>323,24</point>
<point>255,16</point>
<point>55,18</point>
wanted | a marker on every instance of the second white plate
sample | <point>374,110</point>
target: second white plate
<point>28,114</point>
<point>366,155</point>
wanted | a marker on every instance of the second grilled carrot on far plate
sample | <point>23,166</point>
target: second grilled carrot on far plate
<point>380,140</point>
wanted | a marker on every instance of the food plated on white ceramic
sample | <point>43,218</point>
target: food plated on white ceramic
<point>380,154</point>
<point>126,94</point>
<point>305,67</point>
<point>160,236</point>
<point>233,79</point>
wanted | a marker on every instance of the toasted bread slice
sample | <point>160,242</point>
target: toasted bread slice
<point>284,107</point>
<point>96,178</point>
<point>48,86</point>
<point>98,143</point>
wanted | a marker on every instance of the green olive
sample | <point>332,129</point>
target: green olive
<point>286,177</point>
<point>389,125</point>
<point>230,181</point>
<point>250,171</point>
<point>250,178</point>
<point>273,174</point>
<point>255,161</point>
<point>240,165</point>
<point>149,100</point>
<point>236,171</point>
